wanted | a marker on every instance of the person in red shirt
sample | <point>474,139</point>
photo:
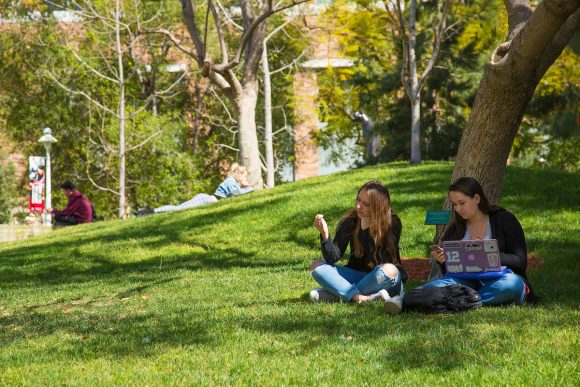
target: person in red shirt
<point>78,209</point>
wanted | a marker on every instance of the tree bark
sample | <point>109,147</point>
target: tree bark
<point>508,84</point>
<point>247,138</point>
<point>416,130</point>
<point>268,140</point>
<point>122,168</point>
<point>243,92</point>
<point>415,95</point>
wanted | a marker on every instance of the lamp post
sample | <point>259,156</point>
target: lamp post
<point>47,140</point>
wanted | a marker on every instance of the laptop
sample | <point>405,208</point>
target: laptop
<point>472,257</point>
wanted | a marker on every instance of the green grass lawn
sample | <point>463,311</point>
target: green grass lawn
<point>218,295</point>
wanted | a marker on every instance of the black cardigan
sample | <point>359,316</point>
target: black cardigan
<point>333,249</point>
<point>508,232</point>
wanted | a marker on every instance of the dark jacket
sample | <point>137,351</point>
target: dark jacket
<point>79,207</point>
<point>333,249</point>
<point>508,232</point>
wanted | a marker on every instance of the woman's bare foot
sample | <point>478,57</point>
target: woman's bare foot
<point>360,298</point>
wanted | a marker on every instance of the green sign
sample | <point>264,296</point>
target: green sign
<point>438,217</point>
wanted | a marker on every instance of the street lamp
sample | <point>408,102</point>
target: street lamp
<point>47,140</point>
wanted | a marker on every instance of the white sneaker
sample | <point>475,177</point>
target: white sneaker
<point>381,295</point>
<point>393,305</point>
<point>323,295</point>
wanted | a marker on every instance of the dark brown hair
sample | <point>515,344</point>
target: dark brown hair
<point>470,187</point>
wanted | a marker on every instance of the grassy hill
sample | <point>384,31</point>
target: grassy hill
<point>217,295</point>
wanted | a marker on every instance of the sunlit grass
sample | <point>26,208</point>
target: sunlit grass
<point>217,295</point>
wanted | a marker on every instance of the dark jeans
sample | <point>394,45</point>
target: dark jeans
<point>61,220</point>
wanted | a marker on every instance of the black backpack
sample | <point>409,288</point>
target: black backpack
<point>94,214</point>
<point>446,299</point>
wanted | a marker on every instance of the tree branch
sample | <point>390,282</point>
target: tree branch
<point>398,20</point>
<point>174,40</point>
<point>98,186</point>
<point>291,63</point>
<point>248,34</point>
<point>188,8</point>
<point>439,32</point>
<point>220,33</point>
<point>223,105</point>
<point>228,18</point>
<point>81,93</point>
<point>530,43</point>
<point>558,44</point>
<point>92,69</point>
<point>227,147</point>
<point>144,141</point>
<point>519,12</point>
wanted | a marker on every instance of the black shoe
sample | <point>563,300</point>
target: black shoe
<point>144,211</point>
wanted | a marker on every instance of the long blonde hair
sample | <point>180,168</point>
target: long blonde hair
<point>238,171</point>
<point>381,221</point>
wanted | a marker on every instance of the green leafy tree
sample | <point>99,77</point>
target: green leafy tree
<point>30,101</point>
<point>373,84</point>
<point>536,37</point>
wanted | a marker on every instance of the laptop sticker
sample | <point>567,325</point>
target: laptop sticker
<point>493,259</point>
<point>490,246</point>
<point>473,246</point>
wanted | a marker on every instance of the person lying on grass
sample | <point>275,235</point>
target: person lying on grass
<point>374,269</point>
<point>473,218</point>
<point>236,183</point>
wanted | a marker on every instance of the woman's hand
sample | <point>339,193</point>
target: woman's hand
<point>316,263</point>
<point>321,226</point>
<point>438,254</point>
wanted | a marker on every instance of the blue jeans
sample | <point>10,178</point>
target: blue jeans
<point>198,200</point>
<point>507,289</point>
<point>345,282</point>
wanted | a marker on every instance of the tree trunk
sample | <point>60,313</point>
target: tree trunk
<point>248,139</point>
<point>121,117</point>
<point>515,69</point>
<point>416,130</point>
<point>415,96</point>
<point>269,151</point>
<point>487,139</point>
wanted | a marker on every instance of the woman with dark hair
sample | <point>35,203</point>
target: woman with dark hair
<point>473,218</point>
<point>374,269</point>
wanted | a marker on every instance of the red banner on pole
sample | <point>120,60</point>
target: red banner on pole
<point>36,179</point>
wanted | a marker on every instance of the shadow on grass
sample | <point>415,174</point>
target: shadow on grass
<point>406,341</point>
<point>83,335</point>
<point>60,262</point>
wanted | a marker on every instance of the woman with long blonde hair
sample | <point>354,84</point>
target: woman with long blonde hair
<point>374,269</point>
<point>236,183</point>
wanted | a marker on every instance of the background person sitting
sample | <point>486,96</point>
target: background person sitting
<point>236,183</point>
<point>78,209</point>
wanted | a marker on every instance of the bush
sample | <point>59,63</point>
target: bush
<point>7,191</point>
